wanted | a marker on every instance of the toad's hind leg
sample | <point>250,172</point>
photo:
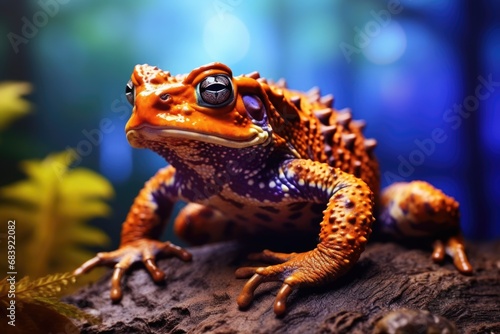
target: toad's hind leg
<point>417,209</point>
<point>198,224</point>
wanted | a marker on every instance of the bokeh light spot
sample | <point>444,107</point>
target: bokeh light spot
<point>226,39</point>
<point>388,46</point>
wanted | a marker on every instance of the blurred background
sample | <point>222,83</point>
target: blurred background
<point>425,75</point>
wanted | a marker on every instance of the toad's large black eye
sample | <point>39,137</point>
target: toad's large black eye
<point>130,92</point>
<point>215,91</point>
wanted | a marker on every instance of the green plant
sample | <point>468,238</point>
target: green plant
<point>32,306</point>
<point>12,105</point>
<point>51,209</point>
<point>45,229</point>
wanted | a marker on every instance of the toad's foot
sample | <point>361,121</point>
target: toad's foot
<point>144,250</point>
<point>454,247</point>
<point>296,270</point>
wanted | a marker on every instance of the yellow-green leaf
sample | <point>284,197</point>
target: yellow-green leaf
<point>77,209</point>
<point>86,183</point>
<point>52,207</point>
<point>25,191</point>
<point>12,104</point>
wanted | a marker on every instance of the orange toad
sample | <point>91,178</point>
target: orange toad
<point>252,157</point>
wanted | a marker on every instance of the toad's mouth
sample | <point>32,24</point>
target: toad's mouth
<point>139,136</point>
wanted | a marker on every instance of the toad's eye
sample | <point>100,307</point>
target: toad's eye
<point>130,92</point>
<point>215,91</point>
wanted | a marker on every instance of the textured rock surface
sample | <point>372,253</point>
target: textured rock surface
<point>199,297</point>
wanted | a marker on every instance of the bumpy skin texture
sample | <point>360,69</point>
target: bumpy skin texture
<point>252,157</point>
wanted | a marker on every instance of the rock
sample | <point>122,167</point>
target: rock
<point>199,297</point>
<point>413,321</point>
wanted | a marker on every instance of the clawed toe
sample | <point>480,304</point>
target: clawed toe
<point>87,266</point>
<point>116,290</point>
<point>247,294</point>
<point>245,272</point>
<point>281,297</point>
<point>156,273</point>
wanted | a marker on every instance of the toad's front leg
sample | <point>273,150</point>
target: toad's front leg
<point>140,232</point>
<point>345,229</point>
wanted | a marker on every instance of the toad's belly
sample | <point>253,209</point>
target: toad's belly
<point>261,217</point>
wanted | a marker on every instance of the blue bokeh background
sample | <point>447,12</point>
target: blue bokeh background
<point>411,69</point>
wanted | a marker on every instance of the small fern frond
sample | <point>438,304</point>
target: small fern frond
<point>44,287</point>
<point>52,208</point>
<point>37,307</point>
